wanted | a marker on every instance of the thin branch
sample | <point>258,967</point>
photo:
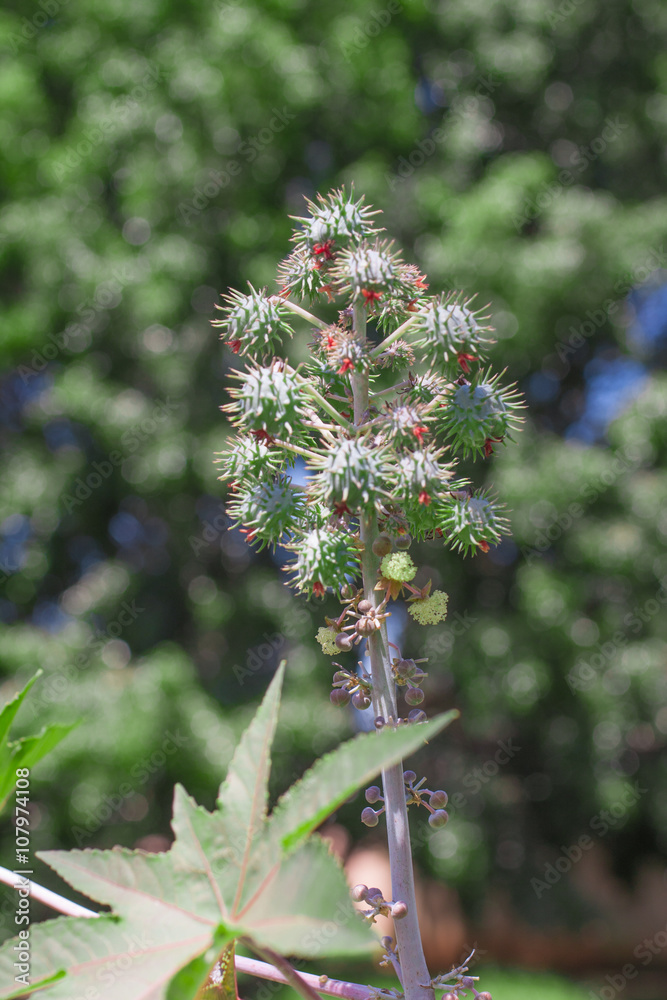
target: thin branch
<point>46,896</point>
<point>293,977</point>
<point>303,313</point>
<point>393,337</point>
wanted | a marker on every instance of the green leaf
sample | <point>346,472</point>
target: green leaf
<point>9,710</point>
<point>338,775</point>
<point>35,986</point>
<point>25,752</point>
<point>230,874</point>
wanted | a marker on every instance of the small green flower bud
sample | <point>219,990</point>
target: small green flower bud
<point>339,697</point>
<point>363,607</point>
<point>417,715</point>
<point>369,817</point>
<point>414,696</point>
<point>360,700</point>
<point>409,777</point>
<point>438,819</point>
<point>439,799</point>
<point>343,642</point>
<point>382,545</point>
<point>373,794</point>
<point>399,910</point>
<point>359,893</point>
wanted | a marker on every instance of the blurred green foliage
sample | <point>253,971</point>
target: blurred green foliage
<point>151,155</point>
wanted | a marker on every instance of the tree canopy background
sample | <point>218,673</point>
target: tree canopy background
<point>151,155</point>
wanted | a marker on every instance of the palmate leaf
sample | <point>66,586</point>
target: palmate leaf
<point>231,873</point>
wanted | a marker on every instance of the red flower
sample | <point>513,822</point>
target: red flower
<point>328,290</point>
<point>330,341</point>
<point>424,498</point>
<point>370,296</point>
<point>345,367</point>
<point>324,248</point>
<point>484,546</point>
<point>412,306</point>
<point>263,436</point>
<point>463,360</point>
<point>488,445</point>
<point>419,432</point>
<point>341,508</point>
<point>235,345</point>
<point>420,283</point>
<point>285,292</point>
<point>318,589</point>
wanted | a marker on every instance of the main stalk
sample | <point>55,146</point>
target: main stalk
<point>416,980</point>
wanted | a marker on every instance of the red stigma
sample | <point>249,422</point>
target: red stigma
<point>263,436</point>
<point>324,248</point>
<point>235,345</point>
<point>419,433</point>
<point>463,360</point>
<point>318,589</point>
<point>370,296</point>
<point>484,546</point>
<point>345,367</point>
<point>424,498</point>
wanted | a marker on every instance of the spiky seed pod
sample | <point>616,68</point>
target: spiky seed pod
<point>268,510</point>
<point>367,272</point>
<point>425,388</point>
<point>248,458</point>
<point>397,355</point>
<point>301,273</point>
<point>268,400</point>
<point>477,415</point>
<point>338,217</point>
<point>473,523</point>
<point>253,322</point>
<point>343,351</point>
<point>403,423</point>
<point>419,478</point>
<point>325,558</point>
<point>451,333</point>
<point>352,473</point>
